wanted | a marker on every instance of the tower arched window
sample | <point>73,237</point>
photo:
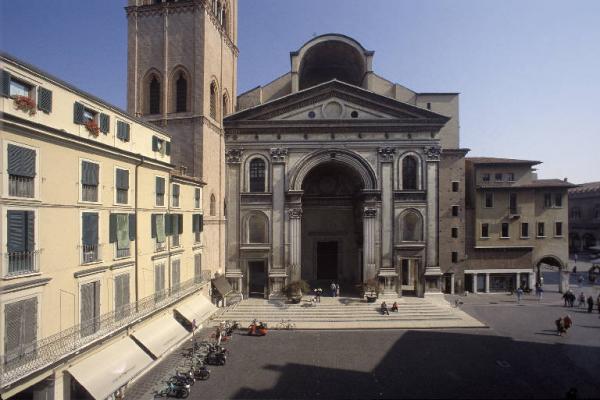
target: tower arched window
<point>213,100</point>
<point>257,175</point>
<point>224,17</point>
<point>411,227</point>
<point>181,90</point>
<point>213,205</point>
<point>257,229</point>
<point>225,104</point>
<point>410,167</point>
<point>154,95</point>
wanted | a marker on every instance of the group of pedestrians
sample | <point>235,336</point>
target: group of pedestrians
<point>384,308</point>
<point>569,301</point>
<point>335,289</point>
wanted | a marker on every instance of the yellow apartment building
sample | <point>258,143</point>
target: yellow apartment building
<point>102,241</point>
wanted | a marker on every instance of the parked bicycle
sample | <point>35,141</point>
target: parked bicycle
<point>174,390</point>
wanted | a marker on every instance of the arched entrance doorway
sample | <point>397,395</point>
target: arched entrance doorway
<point>332,227</point>
<point>551,273</point>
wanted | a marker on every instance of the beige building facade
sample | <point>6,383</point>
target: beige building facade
<point>584,218</point>
<point>100,238</point>
<point>515,223</point>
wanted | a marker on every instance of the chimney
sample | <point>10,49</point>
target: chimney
<point>565,180</point>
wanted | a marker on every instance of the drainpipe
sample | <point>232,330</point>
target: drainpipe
<point>137,233</point>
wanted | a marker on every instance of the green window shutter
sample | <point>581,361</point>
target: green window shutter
<point>175,190</point>
<point>160,185</point>
<point>201,222</point>
<point>104,123</point>
<point>122,179</point>
<point>180,223</point>
<point>5,88</point>
<point>44,100</point>
<point>168,148</point>
<point>112,228</point>
<point>89,173</point>
<point>195,223</point>
<point>153,225</point>
<point>154,143</point>
<point>123,131</point>
<point>21,161</point>
<point>90,229</point>
<point>78,111</point>
<point>132,227</point>
<point>168,225</point>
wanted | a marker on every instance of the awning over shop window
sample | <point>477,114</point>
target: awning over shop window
<point>197,308</point>
<point>161,334</point>
<point>106,371</point>
<point>222,285</point>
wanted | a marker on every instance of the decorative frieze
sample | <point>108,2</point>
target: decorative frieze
<point>233,156</point>
<point>386,154</point>
<point>432,153</point>
<point>295,213</point>
<point>278,154</point>
<point>369,212</point>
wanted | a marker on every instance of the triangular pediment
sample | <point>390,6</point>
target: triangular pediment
<point>336,101</point>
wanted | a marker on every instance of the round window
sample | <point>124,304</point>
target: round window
<point>354,114</point>
<point>311,114</point>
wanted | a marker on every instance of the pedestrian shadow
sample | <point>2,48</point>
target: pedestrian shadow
<point>588,326</point>
<point>547,332</point>
<point>349,300</point>
<point>278,303</point>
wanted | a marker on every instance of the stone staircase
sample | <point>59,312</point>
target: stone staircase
<point>351,313</point>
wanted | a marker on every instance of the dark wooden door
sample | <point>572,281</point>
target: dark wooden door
<point>257,278</point>
<point>327,260</point>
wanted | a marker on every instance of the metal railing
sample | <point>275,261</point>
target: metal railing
<point>160,246</point>
<point>514,210</point>
<point>90,253</point>
<point>197,237</point>
<point>21,186</point>
<point>22,262</point>
<point>17,364</point>
<point>120,253</point>
<point>175,240</point>
<point>89,193</point>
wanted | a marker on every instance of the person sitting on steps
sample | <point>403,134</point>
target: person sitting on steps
<point>395,307</point>
<point>384,309</point>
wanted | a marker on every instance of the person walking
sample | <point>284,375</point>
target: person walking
<point>319,293</point>
<point>519,294</point>
<point>540,292</point>
<point>572,299</point>
<point>590,302</point>
<point>333,287</point>
<point>568,322</point>
<point>337,290</point>
<point>560,326</point>
<point>565,297</point>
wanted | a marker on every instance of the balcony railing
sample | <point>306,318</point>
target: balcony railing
<point>197,237</point>
<point>120,253</point>
<point>21,186</point>
<point>160,246</point>
<point>44,352</point>
<point>89,193</point>
<point>22,262</point>
<point>175,240</point>
<point>90,253</point>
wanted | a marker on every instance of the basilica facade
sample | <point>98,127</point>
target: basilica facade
<point>333,175</point>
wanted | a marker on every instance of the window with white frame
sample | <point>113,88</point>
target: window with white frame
<point>158,231</point>
<point>21,169</point>
<point>485,230</point>
<point>160,191</point>
<point>175,275</point>
<point>197,227</point>
<point>122,233</point>
<point>558,229</point>
<point>159,282</point>
<point>122,186</point>
<point>90,179</point>
<point>197,194</point>
<point>541,229</point>
<point>175,188</point>
<point>504,230</point>
<point>257,175</point>
<point>90,246</point>
<point>489,200</point>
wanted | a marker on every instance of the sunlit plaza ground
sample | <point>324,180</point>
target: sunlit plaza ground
<point>518,356</point>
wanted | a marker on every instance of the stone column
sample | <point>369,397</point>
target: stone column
<point>295,215</point>
<point>370,267</point>
<point>433,272</point>
<point>233,158</point>
<point>518,284</point>
<point>487,283</point>
<point>451,283</point>
<point>474,283</point>
<point>386,158</point>
<point>278,158</point>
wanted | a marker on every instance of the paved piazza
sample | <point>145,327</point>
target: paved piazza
<point>518,356</point>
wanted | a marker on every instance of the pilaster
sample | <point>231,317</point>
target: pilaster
<point>433,272</point>
<point>386,158</point>
<point>233,166</point>
<point>369,220</point>
<point>278,160</point>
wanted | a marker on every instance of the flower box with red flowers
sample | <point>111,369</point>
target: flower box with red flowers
<point>92,127</point>
<point>25,103</point>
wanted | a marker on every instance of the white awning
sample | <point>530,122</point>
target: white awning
<point>104,372</point>
<point>161,334</point>
<point>197,308</point>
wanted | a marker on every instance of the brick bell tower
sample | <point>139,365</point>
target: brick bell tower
<point>182,76</point>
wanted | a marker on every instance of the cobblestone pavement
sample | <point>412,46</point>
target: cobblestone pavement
<point>519,356</point>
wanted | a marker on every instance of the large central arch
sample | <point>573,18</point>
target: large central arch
<point>345,157</point>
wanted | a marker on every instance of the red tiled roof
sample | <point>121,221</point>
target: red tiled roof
<point>496,160</point>
<point>586,188</point>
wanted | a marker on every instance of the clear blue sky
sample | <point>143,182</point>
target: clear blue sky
<point>528,71</point>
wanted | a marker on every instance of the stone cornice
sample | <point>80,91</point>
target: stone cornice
<point>310,127</point>
<point>182,7</point>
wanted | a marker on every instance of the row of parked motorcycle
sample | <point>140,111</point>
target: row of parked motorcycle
<point>199,357</point>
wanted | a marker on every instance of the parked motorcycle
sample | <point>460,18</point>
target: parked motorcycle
<point>216,358</point>
<point>257,329</point>
<point>175,390</point>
